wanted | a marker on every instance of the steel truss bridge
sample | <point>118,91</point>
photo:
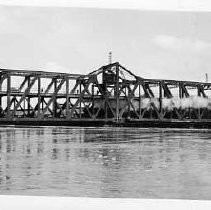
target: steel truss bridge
<point>111,95</point>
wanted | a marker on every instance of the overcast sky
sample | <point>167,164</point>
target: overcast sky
<point>152,44</point>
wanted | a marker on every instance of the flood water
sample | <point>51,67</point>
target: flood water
<point>105,162</point>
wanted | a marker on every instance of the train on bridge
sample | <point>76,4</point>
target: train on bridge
<point>111,95</point>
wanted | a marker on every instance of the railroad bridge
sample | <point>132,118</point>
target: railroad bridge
<point>111,95</point>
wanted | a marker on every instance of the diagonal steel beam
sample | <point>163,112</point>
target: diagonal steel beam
<point>49,86</point>
<point>129,98</point>
<point>23,83</point>
<point>87,108</point>
<point>146,91</point>
<point>11,102</point>
<point>22,109</point>
<point>24,95</point>
<point>184,90</point>
<point>142,114</point>
<point>150,91</point>
<point>105,95</point>
<point>75,86</point>
<point>99,108</point>
<point>91,79</point>
<point>177,113</point>
<point>201,90</point>
<point>160,116</point>
<point>167,92</point>
<point>2,78</point>
<point>53,96</point>
<point>48,107</point>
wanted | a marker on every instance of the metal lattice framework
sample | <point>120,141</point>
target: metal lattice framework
<point>109,94</point>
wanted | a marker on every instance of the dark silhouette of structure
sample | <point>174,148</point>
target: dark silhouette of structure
<point>110,95</point>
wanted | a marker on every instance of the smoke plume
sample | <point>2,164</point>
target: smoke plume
<point>195,102</point>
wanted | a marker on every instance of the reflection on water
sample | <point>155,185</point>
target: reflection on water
<point>106,162</point>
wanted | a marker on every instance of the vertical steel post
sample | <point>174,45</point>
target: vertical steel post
<point>24,108</point>
<point>128,97</point>
<point>139,91</point>
<point>1,81</point>
<point>54,99</point>
<point>28,104</point>
<point>93,99</point>
<point>181,93</point>
<point>67,97</point>
<point>198,90</point>
<point>199,94</point>
<point>104,94</point>
<point>117,93</point>
<point>39,97</point>
<point>80,101</point>
<point>8,96</point>
<point>160,97</point>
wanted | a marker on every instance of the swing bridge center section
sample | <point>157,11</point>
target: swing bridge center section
<point>111,95</point>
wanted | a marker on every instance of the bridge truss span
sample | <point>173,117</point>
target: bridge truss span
<point>111,93</point>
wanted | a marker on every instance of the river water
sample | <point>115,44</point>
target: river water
<point>105,162</point>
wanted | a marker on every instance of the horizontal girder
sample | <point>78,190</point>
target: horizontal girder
<point>43,74</point>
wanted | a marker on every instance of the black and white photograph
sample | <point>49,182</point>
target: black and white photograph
<point>105,103</point>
